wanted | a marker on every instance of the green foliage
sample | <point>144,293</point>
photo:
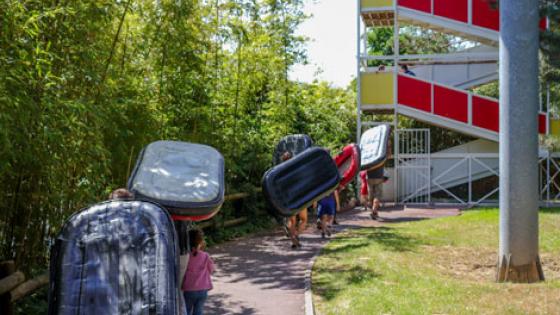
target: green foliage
<point>36,303</point>
<point>412,40</point>
<point>84,85</point>
<point>257,224</point>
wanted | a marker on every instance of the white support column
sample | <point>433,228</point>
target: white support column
<point>547,109</point>
<point>469,109</point>
<point>396,54</point>
<point>432,7</point>
<point>432,71</point>
<point>470,181</point>
<point>432,88</point>
<point>548,157</point>
<point>429,139</point>
<point>470,12</point>
<point>365,44</point>
<point>358,74</point>
<point>541,108</point>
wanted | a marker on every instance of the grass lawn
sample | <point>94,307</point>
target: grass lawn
<point>441,266</point>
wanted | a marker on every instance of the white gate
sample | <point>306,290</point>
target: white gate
<point>413,166</point>
<point>549,177</point>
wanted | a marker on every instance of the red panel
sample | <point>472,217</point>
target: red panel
<point>455,9</point>
<point>420,5</point>
<point>486,113</point>
<point>415,93</point>
<point>543,24</point>
<point>542,123</point>
<point>484,15</point>
<point>451,104</point>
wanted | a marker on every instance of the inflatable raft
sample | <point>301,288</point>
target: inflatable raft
<point>300,181</point>
<point>348,163</point>
<point>186,178</point>
<point>373,147</point>
<point>295,144</point>
<point>118,257</point>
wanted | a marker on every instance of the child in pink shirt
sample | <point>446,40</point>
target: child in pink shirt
<point>197,281</point>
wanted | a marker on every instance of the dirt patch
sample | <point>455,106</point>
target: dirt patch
<point>464,263</point>
<point>551,266</point>
<point>479,265</point>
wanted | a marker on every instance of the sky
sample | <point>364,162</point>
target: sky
<point>331,49</point>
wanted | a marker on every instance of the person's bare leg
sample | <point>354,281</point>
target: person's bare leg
<point>371,210</point>
<point>302,221</point>
<point>371,195</point>
<point>376,206</point>
<point>364,202</point>
<point>293,231</point>
<point>324,225</point>
<point>330,219</point>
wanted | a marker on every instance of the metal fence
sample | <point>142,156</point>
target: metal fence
<point>463,178</point>
<point>413,166</point>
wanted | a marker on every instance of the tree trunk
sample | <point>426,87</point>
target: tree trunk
<point>237,88</point>
<point>113,48</point>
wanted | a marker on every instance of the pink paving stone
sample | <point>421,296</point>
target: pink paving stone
<point>260,274</point>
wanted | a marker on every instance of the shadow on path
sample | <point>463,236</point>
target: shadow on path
<point>263,275</point>
<point>224,304</point>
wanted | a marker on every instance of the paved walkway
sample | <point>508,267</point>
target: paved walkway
<point>263,275</point>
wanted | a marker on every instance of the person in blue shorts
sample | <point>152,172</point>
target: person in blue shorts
<point>326,209</point>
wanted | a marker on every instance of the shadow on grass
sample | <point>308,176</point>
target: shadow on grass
<point>550,210</point>
<point>392,240</point>
<point>399,220</point>
<point>349,244</point>
<point>333,280</point>
<point>389,238</point>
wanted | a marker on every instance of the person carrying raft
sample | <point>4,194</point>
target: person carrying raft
<point>326,210</point>
<point>293,228</point>
<point>375,180</point>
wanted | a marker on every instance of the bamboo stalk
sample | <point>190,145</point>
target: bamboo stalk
<point>235,222</point>
<point>236,196</point>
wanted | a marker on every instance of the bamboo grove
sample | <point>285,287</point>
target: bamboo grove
<point>84,85</point>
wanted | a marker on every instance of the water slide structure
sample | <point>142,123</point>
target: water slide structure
<point>440,94</point>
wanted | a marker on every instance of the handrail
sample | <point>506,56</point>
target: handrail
<point>453,56</point>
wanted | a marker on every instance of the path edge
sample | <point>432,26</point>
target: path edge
<point>309,308</point>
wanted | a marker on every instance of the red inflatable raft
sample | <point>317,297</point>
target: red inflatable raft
<point>348,163</point>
